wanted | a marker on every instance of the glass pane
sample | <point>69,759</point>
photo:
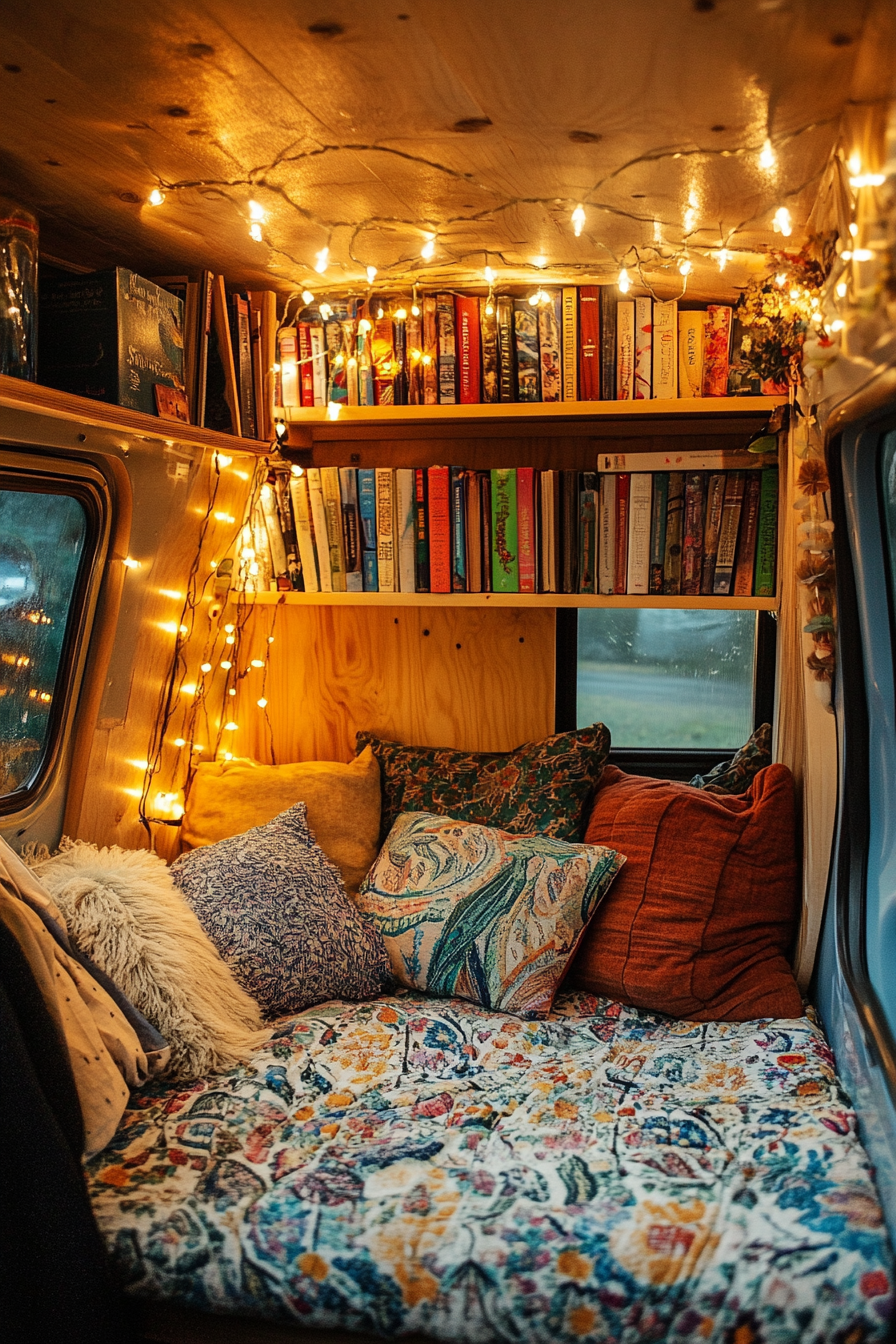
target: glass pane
<point>889,475</point>
<point>42,540</point>
<point>667,678</point>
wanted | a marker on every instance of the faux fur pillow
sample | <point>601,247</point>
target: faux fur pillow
<point>122,908</point>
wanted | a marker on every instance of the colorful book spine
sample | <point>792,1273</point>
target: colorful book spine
<point>625,350</point>
<point>288,353</point>
<point>488,331</point>
<point>687,459</point>
<point>385,529</point>
<point>607,342</point>
<point>638,559</point>
<point>505,554</point>
<point>485,522</point>
<point>606,536</point>
<point>589,343</point>
<point>382,359</point>
<point>439,530</point>
<point>620,567</point>
<point>658,530</point>
<point>526,529</point>
<point>506,349</point>
<point>570,341</point>
<point>525,326</point>
<point>674,522</point>
<point>468,359</point>
<point>665,349</point>
<point>276,544</point>
<point>715,499</point>
<point>447,349</point>
<point>550,352</point>
<point>766,540</point>
<point>336,356</point>
<point>351,331</point>
<point>716,364</point>
<point>351,530</point>
<point>329,477</point>
<point>318,365</point>
<point>400,382</point>
<point>406,518</point>
<point>458,531</point>
<point>430,357</point>
<point>690,353</point>
<point>746,546</point>
<point>475,555</point>
<point>301,507</point>
<point>319,521</point>
<point>306,372</point>
<point>421,530</point>
<point>588,537</point>
<point>414,339</point>
<point>549,530</point>
<point>728,530</point>
<point>643,348</point>
<point>692,539</point>
<point>367,512</point>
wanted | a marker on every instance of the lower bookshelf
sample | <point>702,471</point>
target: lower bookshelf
<point>505,600</point>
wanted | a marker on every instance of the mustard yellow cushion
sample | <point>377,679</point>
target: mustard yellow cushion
<point>342,802</point>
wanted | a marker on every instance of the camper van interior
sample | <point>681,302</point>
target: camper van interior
<point>447,686</point>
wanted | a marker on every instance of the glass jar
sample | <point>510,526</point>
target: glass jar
<point>18,290</point>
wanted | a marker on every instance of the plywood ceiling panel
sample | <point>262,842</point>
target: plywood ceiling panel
<point>362,128</point>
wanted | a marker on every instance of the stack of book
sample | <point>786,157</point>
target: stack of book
<point>572,344</point>
<point>702,525</point>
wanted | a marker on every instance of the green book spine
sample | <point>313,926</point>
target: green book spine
<point>505,554</point>
<point>767,540</point>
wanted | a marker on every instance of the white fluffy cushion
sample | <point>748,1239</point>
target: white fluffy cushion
<point>122,908</point>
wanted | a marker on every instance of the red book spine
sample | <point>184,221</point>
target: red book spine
<point>439,531</point>
<point>306,369</point>
<point>746,546</point>
<point>620,575</point>
<point>525,523</point>
<point>468,355</point>
<point>589,343</point>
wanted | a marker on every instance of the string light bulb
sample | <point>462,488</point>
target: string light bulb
<point>722,257</point>
<point>624,282</point>
<point>257,211</point>
<point>325,311</point>
<point>371,274</point>
<point>180,741</point>
<point>156,197</point>
<point>322,260</point>
<point>333,409</point>
<point>841,289</point>
<point>307,297</point>
<point>490,276</point>
<point>854,163</point>
<point>781,280</point>
<point>782,222</point>
<point>685,266</point>
<point>130,563</point>
<point>205,667</point>
<point>767,156</point>
<point>226,665</point>
<point>428,250</point>
<point>578,220</point>
<point>255,233</point>
<point>230,726</point>
<point>400,314</point>
<point>262,703</point>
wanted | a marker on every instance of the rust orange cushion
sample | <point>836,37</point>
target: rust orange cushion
<point>700,919</point>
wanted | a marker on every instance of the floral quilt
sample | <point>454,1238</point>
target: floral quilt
<point>415,1165</point>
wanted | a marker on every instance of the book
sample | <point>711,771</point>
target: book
<point>569,532</point>
<point>625,350</point>
<point>351,530</point>
<point>447,349</point>
<point>588,534</point>
<point>367,518</point>
<point>385,530</point>
<point>606,535</point>
<point>306,372</point>
<point>589,342</point>
<point>172,403</point>
<point>421,530</point>
<point>332,495</point>
<point>505,558</point>
<point>506,349</point>
<point>276,546</point>
<point>318,365</point>
<point>620,566</point>
<point>241,337</point>
<point>222,401</point>
<point>488,331</point>
<point>526,529</point>
<point>674,524</point>
<point>468,360</point>
<point>767,534</point>
<point>607,342</point>
<point>746,546</point>
<point>257,375</point>
<point>570,338</point>
<point>715,498</point>
<point>639,506</point>
<point>430,358</point>
<point>301,507</point>
<point>643,348</point>
<point>658,530</point>
<point>334,340</point>
<point>458,531</point>
<point>525,327</point>
<point>665,349</point>
<point>350,334</point>
<point>549,531</point>
<point>439,530</point>
<point>414,340</point>
<point>279,479</point>
<point>550,348</point>
<point>728,530</point>
<point>690,353</point>
<point>718,343</point>
<point>362,366</point>
<point>473,531</point>
<point>319,522</point>
<point>288,358</point>
<point>692,534</point>
<point>400,381</point>
<point>485,522</point>
<point>405,518</point>
<point>685,459</point>
<point>382,359</point>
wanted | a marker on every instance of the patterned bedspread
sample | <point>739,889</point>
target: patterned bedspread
<point>420,1165</point>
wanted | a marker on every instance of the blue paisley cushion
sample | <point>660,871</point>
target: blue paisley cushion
<point>544,786</point>
<point>478,913</point>
<point>275,908</point>
<point>736,776</point>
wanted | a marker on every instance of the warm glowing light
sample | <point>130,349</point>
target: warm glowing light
<point>415,310</point>
<point>322,260</point>
<point>231,639</point>
<point>340,360</point>
<point>228,755</point>
<point>213,564</point>
<point>863,254</point>
<point>364,326</point>
<point>489,309</point>
<point>838,325</point>
<point>229,629</point>
<point>841,289</point>
<point>624,282</point>
<point>270,639</point>
<point>297,470</point>
<point>846,256</point>
<point>224,518</point>
<point>170,627</point>
<point>243,476</point>
<point>257,211</point>
<point>782,222</point>
<point>781,280</point>
<point>307,297</point>
<point>379,311</point>
<point>333,409</point>
<point>230,726</point>
<point>180,741</point>
<point>490,276</point>
<point>767,156</point>
<point>177,811</point>
<point>690,219</point>
<point>205,667</point>
<point>540,261</point>
<point>133,793</point>
<point>684,266</point>
<point>325,311</point>
<point>232,691</point>
<point>578,220</point>
<point>189,688</point>
<point>853,229</point>
<point>854,162</point>
<point>198,749</point>
<point>226,665</point>
<point>427,360</point>
<point>400,314</point>
<point>794,293</point>
<point>533,298</point>
<point>262,703</point>
<point>868,180</point>
<point>255,233</point>
<point>371,274</point>
<point>223,460</point>
<point>156,197</point>
<point>428,250</point>
<point>130,563</point>
<point>183,629</point>
<point>139,765</point>
<point>722,257</point>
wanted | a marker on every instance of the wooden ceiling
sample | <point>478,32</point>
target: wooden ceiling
<point>366,127</point>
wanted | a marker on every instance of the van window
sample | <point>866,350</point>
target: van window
<point>44,546</point>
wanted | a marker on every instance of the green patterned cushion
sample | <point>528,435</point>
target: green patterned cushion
<point>736,775</point>
<point>473,912</point>
<point>543,787</point>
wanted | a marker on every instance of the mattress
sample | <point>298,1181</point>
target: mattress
<point>427,1166</point>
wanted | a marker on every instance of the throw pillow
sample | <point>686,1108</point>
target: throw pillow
<point>736,775</point>
<point>343,802</point>
<point>478,913</point>
<point>541,787</point>
<point>276,909</point>
<point>122,908</point>
<point>700,921</point>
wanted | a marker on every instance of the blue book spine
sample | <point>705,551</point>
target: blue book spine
<point>371,575</point>
<point>458,531</point>
<point>367,511</point>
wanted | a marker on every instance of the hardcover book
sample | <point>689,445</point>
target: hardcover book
<point>728,531</point>
<point>549,531</point>
<point>526,529</point>
<point>332,494</point>
<point>549,349</point>
<point>414,338</point>
<point>361,367</point>
<point>625,350</point>
<point>458,531</point>
<point>241,337</point>
<point>351,530</point>
<point>638,560</point>
<point>485,517</point>
<point>467,317</point>
<point>439,530</point>
<point>506,349</point>
<point>718,344</point>
<point>692,539</point>
<point>715,497</point>
<point>643,348</point>
<point>766,540</point>
<point>222,400</point>
<point>505,557</point>
<point>275,546</point>
<point>473,531</point>
<point>690,353</point>
<point>674,525</point>
<point>319,521</point>
<point>382,359</point>
<point>288,357</point>
<point>385,530</point>
<point>606,535</point>
<point>367,513</point>
<point>569,531</point>
<point>406,518</point>
<point>301,507</point>
<point>607,342</point>
<point>589,343</point>
<point>306,373</point>
<point>665,349</point>
<point>658,530</point>
<point>280,478</point>
<point>334,339</point>
<point>570,341</point>
<point>318,364</point>
<point>588,534</point>
<point>746,546</point>
<point>400,384</point>
<point>430,358</point>
<point>488,330</point>
<point>421,530</point>
<point>525,326</point>
<point>620,567</point>
<point>447,349</point>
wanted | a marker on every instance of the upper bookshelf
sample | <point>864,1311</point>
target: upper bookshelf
<point>554,410</point>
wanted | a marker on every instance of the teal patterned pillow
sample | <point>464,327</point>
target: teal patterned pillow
<point>736,776</point>
<point>542,787</point>
<point>476,913</point>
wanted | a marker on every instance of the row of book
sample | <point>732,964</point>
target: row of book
<point>572,344</point>
<point>453,530</point>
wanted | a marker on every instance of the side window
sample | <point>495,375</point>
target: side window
<point>47,540</point>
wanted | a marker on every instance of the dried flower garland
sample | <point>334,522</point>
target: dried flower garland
<point>815,547</point>
<point>776,311</point>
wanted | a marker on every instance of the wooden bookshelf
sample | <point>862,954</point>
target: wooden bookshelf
<point>552,600</point>
<point>535,411</point>
<point>16,394</point>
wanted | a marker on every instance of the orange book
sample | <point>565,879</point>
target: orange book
<point>439,530</point>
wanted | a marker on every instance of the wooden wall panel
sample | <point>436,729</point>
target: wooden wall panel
<point>476,679</point>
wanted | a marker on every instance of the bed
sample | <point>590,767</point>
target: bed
<point>417,1166</point>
